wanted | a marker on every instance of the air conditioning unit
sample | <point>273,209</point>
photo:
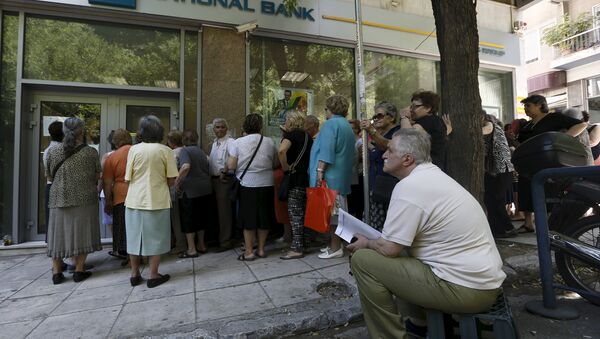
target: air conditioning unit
<point>519,26</point>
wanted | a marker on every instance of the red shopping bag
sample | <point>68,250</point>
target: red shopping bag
<point>319,206</point>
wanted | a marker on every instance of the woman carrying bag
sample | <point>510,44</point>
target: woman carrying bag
<point>295,146</point>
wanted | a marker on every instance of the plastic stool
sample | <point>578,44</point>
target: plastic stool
<point>499,314</point>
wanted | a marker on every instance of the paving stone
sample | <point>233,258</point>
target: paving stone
<point>10,288</point>
<point>314,261</point>
<point>180,283</point>
<point>101,278</point>
<point>523,262</point>
<point>22,272</point>
<point>276,268</point>
<point>218,261</point>
<point>293,289</point>
<point>43,286</point>
<point>94,323</point>
<point>30,308</point>
<point>145,316</point>
<point>18,330</point>
<point>231,301</point>
<point>339,271</point>
<point>7,263</point>
<point>208,279</point>
<point>94,298</point>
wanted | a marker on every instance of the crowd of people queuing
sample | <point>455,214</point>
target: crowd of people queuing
<point>151,190</point>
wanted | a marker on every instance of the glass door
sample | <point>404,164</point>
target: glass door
<point>51,108</point>
<point>133,109</point>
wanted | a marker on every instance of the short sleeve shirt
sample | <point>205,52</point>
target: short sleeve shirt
<point>445,228</point>
<point>114,169</point>
<point>149,165</point>
<point>197,181</point>
<point>75,182</point>
<point>260,172</point>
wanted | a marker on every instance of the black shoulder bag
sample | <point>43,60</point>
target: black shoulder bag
<point>234,191</point>
<point>284,188</point>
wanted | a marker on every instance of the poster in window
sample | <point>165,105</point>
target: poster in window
<point>290,99</point>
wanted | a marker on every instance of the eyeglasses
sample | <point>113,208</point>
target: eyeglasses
<point>378,116</point>
<point>413,106</point>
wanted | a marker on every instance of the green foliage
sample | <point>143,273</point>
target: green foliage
<point>290,5</point>
<point>567,28</point>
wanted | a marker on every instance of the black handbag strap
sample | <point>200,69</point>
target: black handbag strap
<point>251,159</point>
<point>301,152</point>
<point>77,149</point>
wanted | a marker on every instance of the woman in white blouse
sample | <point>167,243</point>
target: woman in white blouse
<point>256,211</point>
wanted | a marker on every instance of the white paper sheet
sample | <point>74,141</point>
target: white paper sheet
<point>348,226</point>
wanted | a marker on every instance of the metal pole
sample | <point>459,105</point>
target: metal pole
<point>361,108</point>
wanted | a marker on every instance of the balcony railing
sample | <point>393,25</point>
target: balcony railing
<point>576,43</point>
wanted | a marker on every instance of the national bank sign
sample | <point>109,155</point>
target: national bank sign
<point>115,3</point>
<point>266,7</point>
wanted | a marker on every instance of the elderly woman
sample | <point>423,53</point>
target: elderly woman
<point>294,156</point>
<point>423,113</point>
<point>195,189</point>
<point>175,142</point>
<point>380,184</point>
<point>331,159</point>
<point>115,188</point>
<point>74,170</point>
<point>541,121</point>
<point>151,169</point>
<point>498,177</point>
<point>253,158</point>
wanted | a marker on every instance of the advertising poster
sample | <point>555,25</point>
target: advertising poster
<point>290,99</point>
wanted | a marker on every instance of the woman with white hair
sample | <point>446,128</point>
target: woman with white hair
<point>73,231</point>
<point>151,170</point>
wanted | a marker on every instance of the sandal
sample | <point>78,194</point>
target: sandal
<point>261,256</point>
<point>243,257</point>
<point>185,255</point>
<point>525,229</point>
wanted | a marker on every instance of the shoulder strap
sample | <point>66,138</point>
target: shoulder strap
<point>77,149</point>
<point>251,159</point>
<point>301,152</point>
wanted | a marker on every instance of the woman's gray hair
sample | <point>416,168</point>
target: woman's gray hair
<point>573,113</point>
<point>414,142</point>
<point>389,108</point>
<point>220,120</point>
<point>151,129</point>
<point>72,129</point>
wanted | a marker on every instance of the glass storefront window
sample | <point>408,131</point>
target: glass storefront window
<point>190,75</point>
<point>495,88</point>
<point>593,86</point>
<point>8,83</point>
<point>395,78</point>
<point>79,51</point>
<point>286,76</point>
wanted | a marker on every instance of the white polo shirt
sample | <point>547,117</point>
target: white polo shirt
<point>444,227</point>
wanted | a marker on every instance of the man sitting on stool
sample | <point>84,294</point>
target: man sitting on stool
<point>454,265</point>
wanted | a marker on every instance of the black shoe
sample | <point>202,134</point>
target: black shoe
<point>58,278</point>
<point>63,266</point>
<point>508,234</point>
<point>136,280</point>
<point>81,276</point>
<point>415,330</point>
<point>71,268</point>
<point>152,283</point>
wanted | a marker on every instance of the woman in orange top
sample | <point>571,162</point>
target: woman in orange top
<point>115,189</point>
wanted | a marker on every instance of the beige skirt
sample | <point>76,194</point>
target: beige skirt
<point>73,231</point>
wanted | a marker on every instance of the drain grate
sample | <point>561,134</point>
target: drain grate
<point>334,290</point>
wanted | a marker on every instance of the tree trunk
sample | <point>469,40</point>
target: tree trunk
<point>458,42</point>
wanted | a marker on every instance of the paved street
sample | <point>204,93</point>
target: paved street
<point>216,295</point>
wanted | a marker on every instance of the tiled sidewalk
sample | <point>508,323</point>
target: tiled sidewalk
<point>201,294</point>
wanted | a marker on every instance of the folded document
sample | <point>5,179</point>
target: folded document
<point>348,226</point>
